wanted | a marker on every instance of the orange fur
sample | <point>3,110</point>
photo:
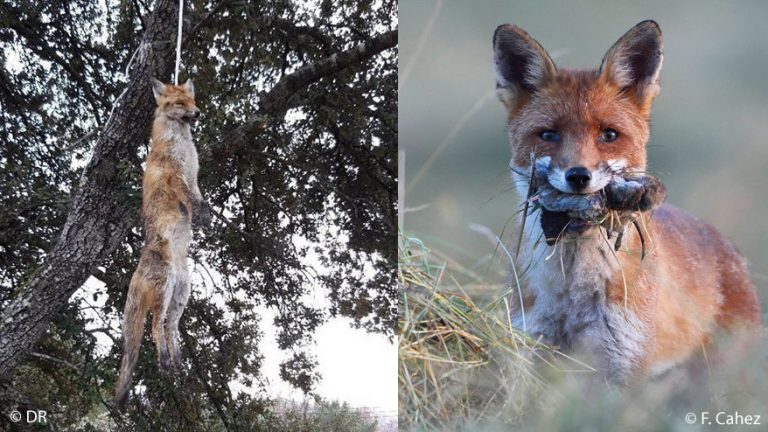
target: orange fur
<point>170,196</point>
<point>693,282</point>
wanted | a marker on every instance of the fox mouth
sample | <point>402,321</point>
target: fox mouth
<point>189,119</point>
<point>613,206</point>
<point>567,214</point>
<point>564,213</point>
<point>559,221</point>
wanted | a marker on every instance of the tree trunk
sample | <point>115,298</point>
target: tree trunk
<point>102,209</point>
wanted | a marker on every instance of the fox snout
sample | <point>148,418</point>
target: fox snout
<point>192,116</point>
<point>578,178</point>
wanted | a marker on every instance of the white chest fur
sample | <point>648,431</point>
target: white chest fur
<point>571,311</point>
<point>183,149</point>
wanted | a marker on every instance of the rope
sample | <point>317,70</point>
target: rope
<point>141,51</point>
<point>178,45</point>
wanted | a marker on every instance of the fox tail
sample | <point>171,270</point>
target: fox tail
<point>133,332</point>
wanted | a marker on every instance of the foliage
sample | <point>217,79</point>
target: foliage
<point>324,416</point>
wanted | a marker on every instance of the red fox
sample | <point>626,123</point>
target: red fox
<point>638,316</point>
<point>171,200</point>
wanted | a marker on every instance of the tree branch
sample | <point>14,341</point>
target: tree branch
<point>55,360</point>
<point>191,33</point>
<point>276,101</point>
<point>279,97</point>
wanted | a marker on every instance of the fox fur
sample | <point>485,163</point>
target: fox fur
<point>637,317</point>
<point>170,200</point>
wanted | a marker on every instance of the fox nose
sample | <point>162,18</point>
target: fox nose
<point>578,177</point>
<point>196,113</point>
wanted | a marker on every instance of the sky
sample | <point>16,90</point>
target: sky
<point>357,367</point>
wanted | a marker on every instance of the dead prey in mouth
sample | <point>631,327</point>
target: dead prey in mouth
<point>613,207</point>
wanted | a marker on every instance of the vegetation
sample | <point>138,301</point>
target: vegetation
<point>324,416</point>
<point>463,367</point>
<point>297,161</point>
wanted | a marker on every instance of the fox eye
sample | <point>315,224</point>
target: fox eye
<point>608,135</point>
<point>550,135</point>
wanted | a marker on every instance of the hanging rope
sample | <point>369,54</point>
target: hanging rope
<point>178,45</point>
<point>141,51</point>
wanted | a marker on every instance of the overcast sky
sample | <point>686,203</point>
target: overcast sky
<point>357,367</point>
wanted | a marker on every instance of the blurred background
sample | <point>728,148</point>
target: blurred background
<point>709,139</point>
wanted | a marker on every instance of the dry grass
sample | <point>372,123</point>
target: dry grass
<point>463,367</point>
<point>461,362</point>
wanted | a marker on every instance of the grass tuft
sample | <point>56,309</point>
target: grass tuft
<point>460,360</point>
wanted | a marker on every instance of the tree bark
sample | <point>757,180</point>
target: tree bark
<point>102,209</point>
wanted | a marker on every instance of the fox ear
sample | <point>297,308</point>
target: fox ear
<point>190,87</point>
<point>522,65</point>
<point>633,63</point>
<point>158,88</point>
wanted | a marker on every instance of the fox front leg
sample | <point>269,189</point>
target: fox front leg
<point>201,212</point>
<point>195,193</point>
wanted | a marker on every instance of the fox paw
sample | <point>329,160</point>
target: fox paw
<point>201,215</point>
<point>164,360</point>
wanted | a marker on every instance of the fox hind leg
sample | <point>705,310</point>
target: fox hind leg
<point>181,290</point>
<point>159,314</point>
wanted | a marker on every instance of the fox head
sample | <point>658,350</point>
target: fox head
<point>585,124</point>
<point>176,102</point>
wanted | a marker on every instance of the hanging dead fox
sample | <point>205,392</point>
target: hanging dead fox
<point>171,200</point>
